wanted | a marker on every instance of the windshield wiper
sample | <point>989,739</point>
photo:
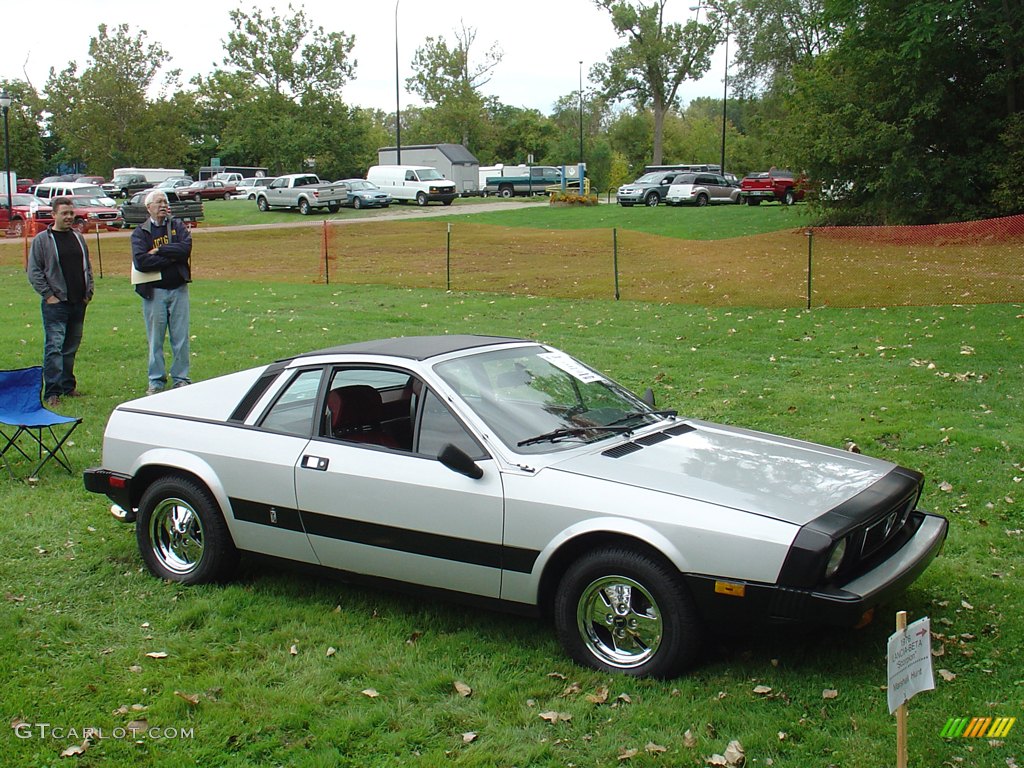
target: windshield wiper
<point>558,434</point>
<point>637,414</point>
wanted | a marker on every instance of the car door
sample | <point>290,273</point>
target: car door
<point>721,191</point>
<point>375,499</point>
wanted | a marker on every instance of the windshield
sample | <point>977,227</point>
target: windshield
<point>649,178</point>
<point>96,202</point>
<point>429,174</point>
<point>536,399</point>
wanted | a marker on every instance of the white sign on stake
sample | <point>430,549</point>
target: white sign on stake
<point>910,663</point>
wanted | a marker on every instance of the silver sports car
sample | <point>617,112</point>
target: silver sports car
<point>506,471</point>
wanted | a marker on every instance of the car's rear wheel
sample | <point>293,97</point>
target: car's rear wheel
<point>505,190</point>
<point>621,610</point>
<point>181,533</point>
<point>652,200</point>
<point>702,200</point>
<point>304,207</point>
<point>333,207</point>
<point>753,201</point>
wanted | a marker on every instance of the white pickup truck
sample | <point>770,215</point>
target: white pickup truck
<point>304,191</point>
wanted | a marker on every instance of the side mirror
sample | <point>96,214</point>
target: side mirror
<point>457,460</point>
<point>649,397</point>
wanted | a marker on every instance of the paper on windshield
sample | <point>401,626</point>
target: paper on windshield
<point>570,366</point>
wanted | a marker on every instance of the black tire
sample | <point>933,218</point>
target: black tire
<point>447,202</point>
<point>357,203</point>
<point>334,207</point>
<point>506,191</point>
<point>227,196</point>
<point>656,635</point>
<point>753,201</point>
<point>80,226</point>
<point>789,198</point>
<point>181,533</point>
<point>262,204</point>
<point>16,228</point>
<point>702,200</point>
<point>198,198</point>
<point>652,200</point>
<point>421,198</point>
<point>304,207</point>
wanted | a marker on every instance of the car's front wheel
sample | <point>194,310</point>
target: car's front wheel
<point>181,533</point>
<point>789,198</point>
<point>262,204</point>
<point>621,610</point>
<point>652,200</point>
<point>421,198</point>
<point>357,203</point>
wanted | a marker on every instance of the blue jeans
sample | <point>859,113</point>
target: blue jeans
<point>166,314</point>
<point>62,334</point>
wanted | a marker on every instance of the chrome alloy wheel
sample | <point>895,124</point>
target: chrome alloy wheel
<point>176,535</point>
<point>619,621</point>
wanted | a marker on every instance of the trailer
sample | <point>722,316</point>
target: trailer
<point>453,161</point>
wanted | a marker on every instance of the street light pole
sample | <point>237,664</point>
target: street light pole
<point>581,114</point>
<point>398,108</point>
<point>5,104</point>
<point>725,92</point>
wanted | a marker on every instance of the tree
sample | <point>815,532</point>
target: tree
<point>288,55</point>
<point>24,118</point>
<point>656,58</point>
<point>446,79</point>
<point>775,36</point>
<point>103,116</point>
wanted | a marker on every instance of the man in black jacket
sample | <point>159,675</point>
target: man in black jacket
<point>60,272</point>
<point>161,272</point>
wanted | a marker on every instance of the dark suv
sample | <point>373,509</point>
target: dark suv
<point>650,189</point>
<point>127,185</point>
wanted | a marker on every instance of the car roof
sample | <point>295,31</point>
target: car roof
<point>414,347</point>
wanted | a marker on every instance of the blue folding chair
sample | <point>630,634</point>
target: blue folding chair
<point>21,408</point>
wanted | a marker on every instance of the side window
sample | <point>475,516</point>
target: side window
<point>410,176</point>
<point>438,427</point>
<point>293,411</point>
<point>371,406</point>
<point>43,192</point>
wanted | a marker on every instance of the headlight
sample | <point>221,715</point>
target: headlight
<point>835,559</point>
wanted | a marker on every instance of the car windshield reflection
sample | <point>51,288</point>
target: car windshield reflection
<point>538,400</point>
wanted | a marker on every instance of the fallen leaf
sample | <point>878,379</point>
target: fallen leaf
<point>689,740</point>
<point>965,604</point>
<point>600,696</point>
<point>570,690</point>
<point>556,675</point>
<point>654,749</point>
<point>137,726</point>
<point>783,735</point>
<point>716,760</point>
<point>947,675</point>
<point>413,638</point>
<point>370,693</point>
<point>331,650</point>
<point>626,754</point>
<point>554,717</point>
<point>76,749</point>
<point>294,650</point>
<point>191,698</point>
<point>734,754</point>
<point>134,668</point>
<point>945,487</point>
<point>762,690</point>
<point>463,690</point>
<point>157,654</point>
<point>624,698</point>
<point>469,737</point>
<point>830,693</point>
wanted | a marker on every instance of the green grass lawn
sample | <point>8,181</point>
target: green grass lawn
<point>679,222</point>
<point>279,667</point>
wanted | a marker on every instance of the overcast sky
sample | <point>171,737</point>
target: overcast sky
<point>542,40</point>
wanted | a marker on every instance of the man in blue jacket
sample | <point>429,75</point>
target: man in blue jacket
<point>60,272</point>
<point>161,272</point>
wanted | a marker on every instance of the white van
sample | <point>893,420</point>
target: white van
<point>413,182</point>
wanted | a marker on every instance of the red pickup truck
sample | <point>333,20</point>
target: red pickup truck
<point>782,186</point>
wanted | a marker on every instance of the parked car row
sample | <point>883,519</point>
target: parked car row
<point>706,188</point>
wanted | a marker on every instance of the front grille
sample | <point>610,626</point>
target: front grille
<point>883,530</point>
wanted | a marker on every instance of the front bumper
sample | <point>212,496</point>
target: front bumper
<point>849,604</point>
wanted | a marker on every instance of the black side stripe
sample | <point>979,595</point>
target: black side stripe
<point>388,537</point>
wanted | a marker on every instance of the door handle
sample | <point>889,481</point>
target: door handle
<point>315,462</point>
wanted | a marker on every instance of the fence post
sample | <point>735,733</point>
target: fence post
<point>615,259</point>
<point>448,260</point>
<point>810,256</point>
<point>99,252</point>
<point>323,250</point>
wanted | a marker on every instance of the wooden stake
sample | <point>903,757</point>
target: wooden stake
<point>901,711</point>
